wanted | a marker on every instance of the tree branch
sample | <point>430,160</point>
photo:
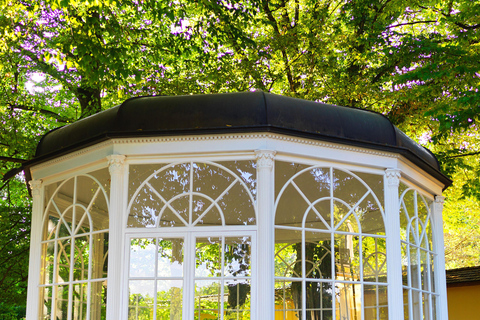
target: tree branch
<point>42,111</point>
<point>10,159</point>
<point>464,155</point>
<point>410,23</point>
<point>467,27</point>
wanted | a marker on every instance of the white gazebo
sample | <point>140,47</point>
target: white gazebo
<point>235,206</point>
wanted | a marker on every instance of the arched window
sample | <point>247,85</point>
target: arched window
<point>418,254</point>
<point>330,244</point>
<point>197,261</point>
<point>75,248</point>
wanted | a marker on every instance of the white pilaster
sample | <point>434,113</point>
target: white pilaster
<point>266,234</point>
<point>116,224</point>
<point>394,252</point>
<point>33,307</point>
<point>438,244</point>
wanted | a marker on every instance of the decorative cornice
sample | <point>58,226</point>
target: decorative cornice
<point>116,164</point>
<point>126,141</point>
<point>35,186</point>
<point>393,177</point>
<point>265,158</point>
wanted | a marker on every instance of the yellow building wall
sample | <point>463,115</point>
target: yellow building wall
<point>463,302</point>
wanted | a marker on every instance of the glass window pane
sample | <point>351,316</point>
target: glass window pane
<point>347,257</point>
<point>61,303</point>
<point>370,216</point>
<point>405,264</point>
<point>374,259</point>
<point>145,209</point>
<point>343,219</point>
<point>142,257</point>
<point>319,300</point>
<point>246,170</point>
<point>172,181</point>
<point>211,180</point>
<point>205,212</point>
<point>314,183</point>
<point>318,255</point>
<point>407,212</point>
<point>426,306</point>
<point>208,255</point>
<point>99,255</point>
<point>416,305</point>
<point>284,171</point>
<point>424,256</point>
<point>288,261</point>
<point>51,224</point>
<point>347,187</point>
<point>237,257</point>
<point>432,272</point>
<point>406,304</point>
<point>375,302</point>
<point>98,300</point>
<point>375,182</point>
<point>137,175</point>
<point>169,299</point>
<point>318,216</point>
<point>237,206</point>
<point>208,299</point>
<point>90,195</point>
<point>140,305</point>
<point>170,258</point>
<point>291,208</point>
<point>288,299</point>
<point>46,302</point>
<point>80,259</point>
<point>63,260</point>
<point>48,255</point>
<point>414,268</point>
<point>348,301</point>
<point>237,303</point>
<point>79,301</point>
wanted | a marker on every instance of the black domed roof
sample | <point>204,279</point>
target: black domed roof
<point>235,113</point>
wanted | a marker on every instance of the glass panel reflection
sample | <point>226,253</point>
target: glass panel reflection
<point>169,299</point>
<point>141,297</point>
<point>98,300</point>
<point>347,258</point>
<point>237,303</point>
<point>208,257</point>
<point>170,258</point>
<point>142,257</point>
<point>208,299</point>
<point>348,301</point>
<point>288,299</point>
<point>374,251</point>
<point>375,302</point>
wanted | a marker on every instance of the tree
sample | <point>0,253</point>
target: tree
<point>417,63</point>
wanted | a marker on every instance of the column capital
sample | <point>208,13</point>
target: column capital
<point>116,163</point>
<point>265,158</point>
<point>439,200</point>
<point>393,177</point>
<point>35,186</point>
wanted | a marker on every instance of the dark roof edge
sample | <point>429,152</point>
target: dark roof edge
<point>408,154</point>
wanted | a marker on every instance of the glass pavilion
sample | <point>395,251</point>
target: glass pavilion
<point>235,206</point>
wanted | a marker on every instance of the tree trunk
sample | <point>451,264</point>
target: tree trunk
<point>90,102</point>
